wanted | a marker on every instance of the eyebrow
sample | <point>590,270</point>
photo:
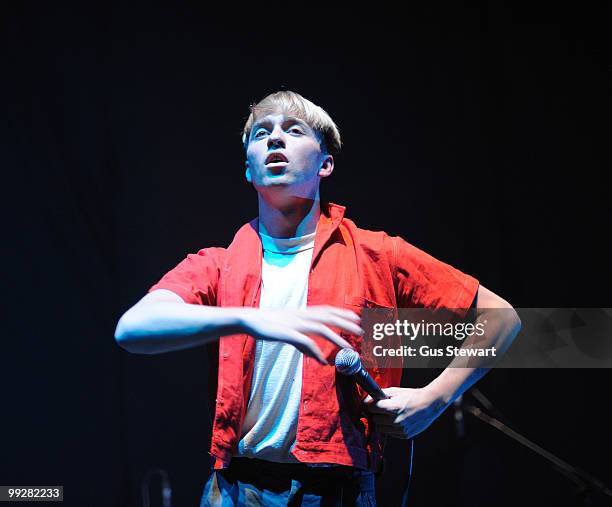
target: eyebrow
<point>292,119</point>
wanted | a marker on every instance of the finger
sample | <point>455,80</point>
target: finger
<point>326,332</point>
<point>369,400</point>
<point>306,346</point>
<point>399,419</point>
<point>337,321</point>
<point>391,391</point>
<point>339,312</point>
<point>381,407</point>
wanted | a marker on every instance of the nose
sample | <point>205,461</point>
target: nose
<point>276,137</point>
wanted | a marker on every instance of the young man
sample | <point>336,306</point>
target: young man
<point>285,296</point>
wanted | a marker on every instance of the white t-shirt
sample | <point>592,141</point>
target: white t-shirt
<point>270,423</point>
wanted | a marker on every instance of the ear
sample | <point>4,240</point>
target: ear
<point>327,166</point>
<point>247,172</point>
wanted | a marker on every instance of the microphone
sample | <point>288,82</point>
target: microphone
<point>348,363</point>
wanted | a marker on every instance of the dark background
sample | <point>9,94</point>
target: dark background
<point>478,134</point>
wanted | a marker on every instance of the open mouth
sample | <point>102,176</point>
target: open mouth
<point>276,158</point>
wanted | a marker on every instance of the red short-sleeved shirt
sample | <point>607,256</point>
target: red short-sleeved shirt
<point>352,268</point>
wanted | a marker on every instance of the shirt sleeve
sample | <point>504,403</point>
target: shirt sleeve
<point>422,281</point>
<point>195,278</point>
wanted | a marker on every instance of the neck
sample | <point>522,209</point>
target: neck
<point>296,218</point>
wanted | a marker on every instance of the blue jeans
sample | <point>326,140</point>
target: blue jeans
<point>254,482</point>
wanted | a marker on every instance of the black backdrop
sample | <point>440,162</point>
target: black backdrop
<point>478,134</point>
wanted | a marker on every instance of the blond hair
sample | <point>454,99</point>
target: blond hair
<point>291,103</point>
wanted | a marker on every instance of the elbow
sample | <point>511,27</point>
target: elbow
<point>125,334</point>
<point>122,336</point>
<point>499,312</point>
<point>504,313</point>
<point>509,315</point>
<point>517,322</point>
<point>513,321</point>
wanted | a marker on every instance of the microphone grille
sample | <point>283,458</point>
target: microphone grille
<point>347,362</point>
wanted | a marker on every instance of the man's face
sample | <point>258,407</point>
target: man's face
<point>284,155</point>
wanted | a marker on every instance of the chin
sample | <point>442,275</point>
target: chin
<point>278,181</point>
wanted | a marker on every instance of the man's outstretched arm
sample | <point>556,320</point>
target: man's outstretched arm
<point>161,322</point>
<point>408,412</point>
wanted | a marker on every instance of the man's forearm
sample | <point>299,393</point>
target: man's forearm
<point>164,326</point>
<point>501,327</point>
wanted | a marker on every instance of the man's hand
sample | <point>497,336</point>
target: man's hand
<point>291,325</point>
<point>407,412</point>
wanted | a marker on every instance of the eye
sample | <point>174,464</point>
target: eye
<point>296,130</point>
<point>260,133</point>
